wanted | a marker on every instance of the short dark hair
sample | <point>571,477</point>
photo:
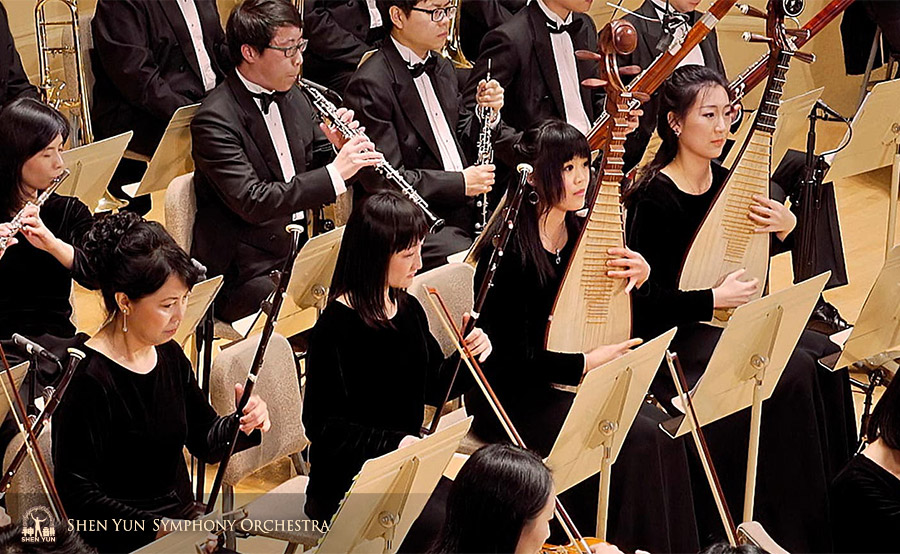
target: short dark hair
<point>725,548</point>
<point>501,487</point>
<point>384,8</point>
<point>885,420</point>
<point>255,22</point>
<point>26,127</point>
<point>124,253</point>
<point>382,225</point>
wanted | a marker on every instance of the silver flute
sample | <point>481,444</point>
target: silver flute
<point>328,113</point>
<point>485,152</point>
<point>16,224</point>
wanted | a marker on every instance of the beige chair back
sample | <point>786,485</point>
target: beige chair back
<point>454,282</point>
<point>277,385</point>
<point>181,209</point>
<point>25,491</point>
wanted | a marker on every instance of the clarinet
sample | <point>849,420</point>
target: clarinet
<point>485,151</point>
<point>328,114</point>
<point>16,223</point>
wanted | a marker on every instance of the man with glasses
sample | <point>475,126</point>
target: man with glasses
<point>149,59</point>
<point>259,157</point>
<point>406,95</point>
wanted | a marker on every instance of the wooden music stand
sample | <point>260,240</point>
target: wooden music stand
<point>201,298</point>
<point>792,121</point>
<point>308,288</point>
<point>604,409</point>
<point>389,494</point>
<point>747,363</point>
<point>171,158</point>
<point>875,143</point>
<point>877,328</point>
<point>98,161</point>
<point>18,375</point>
<point>751,532</point>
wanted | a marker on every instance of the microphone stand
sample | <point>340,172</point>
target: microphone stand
<point>271,308</point>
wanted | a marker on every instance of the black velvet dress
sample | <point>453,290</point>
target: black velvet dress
<point>865,508</point>
<point>118,445</point>
<point>651,503</point>
<point>808,430</point>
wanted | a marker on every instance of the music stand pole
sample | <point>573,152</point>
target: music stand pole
<point>895,196</point>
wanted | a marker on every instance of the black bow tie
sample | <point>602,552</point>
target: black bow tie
<point>571,28</point>
<point>417,69</point>
<point>266,99</point>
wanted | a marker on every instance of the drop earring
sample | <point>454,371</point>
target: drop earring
<point>124,321</point>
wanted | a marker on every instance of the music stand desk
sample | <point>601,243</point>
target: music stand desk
<point>171,158</point>
<point>201,298</point>
<point>98,162</point>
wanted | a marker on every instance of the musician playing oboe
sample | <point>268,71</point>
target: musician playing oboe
<point>407,97</point>
<point>373,364</point>
<point>260,159</point>
<point>134,405</point>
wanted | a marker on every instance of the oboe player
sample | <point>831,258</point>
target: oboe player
<point>407,97</point>
<point>253,144</point>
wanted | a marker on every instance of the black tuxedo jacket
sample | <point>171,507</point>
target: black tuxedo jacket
<point>243,202</point>
<point>477,17</point>
<point>522,62</point>
<point>146,68</point>
<point>339,35</point>
<point>649,34</point>
<point>13,80</point>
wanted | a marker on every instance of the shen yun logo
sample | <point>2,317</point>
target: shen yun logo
<point>38,525</point>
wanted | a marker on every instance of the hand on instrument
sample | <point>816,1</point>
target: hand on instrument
<point>35,231</point>
<point>605,548</point>
<point>774,217</point>
<point>634,120</point>
<point>607,353</point>
<point>479,179</point>
<point>333,135</point>
<point>637,269</point>
<point>256,413</point>
<point>357,153</point>
<point>478,342</point>
<point>733,292</point>
<point>5,231</point>
<point>408,440</point>
<point>490,95</point>
<point>210,544</point>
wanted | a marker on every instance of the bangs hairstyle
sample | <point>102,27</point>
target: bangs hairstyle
<point>885,421</point>
<point>255,22</point>
<point>382,225</point>
<point>26,127</point>
<point>384,8</point>
<point>127,254</point>
<point>501,487</point>
<point>547,147</point>
<point>679,93</point>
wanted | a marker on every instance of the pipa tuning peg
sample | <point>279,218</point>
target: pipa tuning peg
<point>629,70</point>
<point>799,33</point>
<point>588,55</point>
<point>749,10</point>
<point>755,37</point>
<point>594,83</point>
<point>804,57</point>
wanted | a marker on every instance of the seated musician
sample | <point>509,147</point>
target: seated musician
<point>255,150</point>
<point>807,425</point>
<point>502,500</point>
<point>134,404</point>
<point>407,98</point>
<point>149,59</point>
<point>865,507</point>
<point>373,363</point>
<point>13,80</point>
<point>522,372</point>
<point>656,26</point>
<point>477,17</point>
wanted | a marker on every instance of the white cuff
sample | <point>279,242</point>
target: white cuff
<point>340,187</point>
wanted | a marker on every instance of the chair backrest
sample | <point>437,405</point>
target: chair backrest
<point>277,385</point>
<point>25,491</point>
<point>455,283</point>
<point>181,209</point>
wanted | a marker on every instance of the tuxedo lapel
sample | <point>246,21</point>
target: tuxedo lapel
<point>652,30</point>
<point>256,126</point>
<point>586,68</point>
<point>408,97</point>
<point>179,25</point>
<point>544,52</point>
<point>297,126</point>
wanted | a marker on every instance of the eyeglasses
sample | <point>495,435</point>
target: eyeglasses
<point>291,51</point>
<point>438,14</point>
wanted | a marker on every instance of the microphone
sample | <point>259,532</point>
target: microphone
<point>34,348</point>
<point>829,110</point>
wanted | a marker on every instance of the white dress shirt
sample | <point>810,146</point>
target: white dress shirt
<point>450,157</point>
<point>569,84</point>
<point>374,15</point>
<point>275,126</point>
<point>192,18</point>
<point>695,56</point>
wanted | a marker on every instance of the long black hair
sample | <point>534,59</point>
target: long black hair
<point>547,148</point>
<point>125,253</point>
<point>26,127</point>
<point>885,420</point>
<point>496,493</point>
<point>678,94</point>
<point>382,225</point>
